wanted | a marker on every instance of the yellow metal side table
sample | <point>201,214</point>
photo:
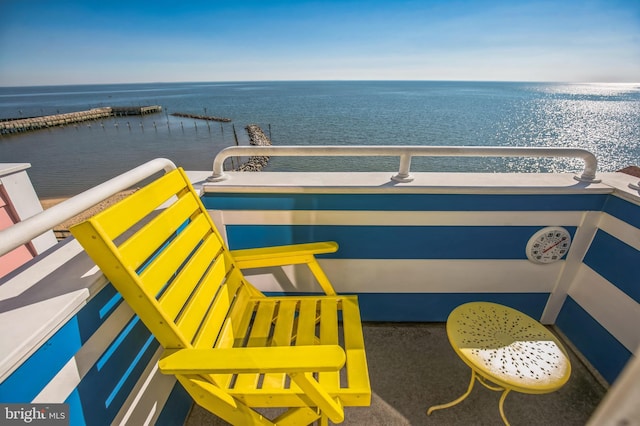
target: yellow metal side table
<point>506,350</point>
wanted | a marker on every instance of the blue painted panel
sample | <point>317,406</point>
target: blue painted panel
<point>105,387</point>
<point>394,242</point>
<point>405,202</point>
<point>91,317</point>
<point>33,375</point>
<point>623,210</point>
<point>177,407</point>
<point>617,262</point>
<point>436,307</point>
<point>602,350</point>
<point>76,414</point>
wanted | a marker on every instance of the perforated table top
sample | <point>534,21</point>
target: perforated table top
<point>508,347</point>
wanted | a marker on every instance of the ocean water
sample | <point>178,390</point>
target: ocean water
<point>603,118</point>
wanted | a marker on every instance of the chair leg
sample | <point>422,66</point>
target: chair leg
<point>298,416</point>
<point>323,421</point>
<point>501,406</point>
<point>458,400</point>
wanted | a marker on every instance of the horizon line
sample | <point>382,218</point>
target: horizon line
<point>328,80</point>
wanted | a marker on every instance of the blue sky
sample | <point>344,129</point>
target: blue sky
<point>86,42</point>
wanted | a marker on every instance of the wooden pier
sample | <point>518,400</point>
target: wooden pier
<point>56,120</point>
<point>142,110</point>
<point>202,117</point>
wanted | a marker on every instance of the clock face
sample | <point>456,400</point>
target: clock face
<point>548,245</point>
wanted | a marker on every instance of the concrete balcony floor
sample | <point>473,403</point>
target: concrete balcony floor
<point>412,367</point>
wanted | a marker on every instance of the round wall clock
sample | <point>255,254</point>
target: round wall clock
<point>548,245</point>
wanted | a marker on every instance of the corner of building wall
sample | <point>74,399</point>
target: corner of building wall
<point>583,237</point>
<point>24,201</point>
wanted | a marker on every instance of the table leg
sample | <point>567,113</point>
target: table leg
<point>458,400</point>
<point>501,406</point>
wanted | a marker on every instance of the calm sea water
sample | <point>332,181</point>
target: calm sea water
<point>603,118</point>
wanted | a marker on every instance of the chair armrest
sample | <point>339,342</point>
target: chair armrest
<point>283,359</point>
<point>289,255</point>
<point>281,255</point>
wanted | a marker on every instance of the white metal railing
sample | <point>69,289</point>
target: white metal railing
<point>28,229</point>
<point>405,153</point>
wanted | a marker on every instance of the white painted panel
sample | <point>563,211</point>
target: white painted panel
<point>579,247</point>
<point>414,276</point>
<point>404,218</point>
<point>624,232</point>
<point>41,298</point>
<point>25,328</point>
<point>610,306</point>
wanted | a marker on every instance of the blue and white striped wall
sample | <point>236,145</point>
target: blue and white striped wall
<point>100,359</point>
<point>601,313</point>
<point>412,252</point>
<point>414,256</point>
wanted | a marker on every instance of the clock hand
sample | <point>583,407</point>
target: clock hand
<point>549,248</point>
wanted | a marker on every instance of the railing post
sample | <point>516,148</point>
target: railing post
<point>403,173</point>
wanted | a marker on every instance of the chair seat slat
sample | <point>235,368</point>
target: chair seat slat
<point>262,323</point>
<point>234,328</point>
<point>283,329</point>
<point>306,327</point>
<point>329,336</point>
<point>257,337</point>
<point>282,336</point>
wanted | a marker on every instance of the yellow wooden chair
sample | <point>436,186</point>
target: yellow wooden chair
<point>231,347</point>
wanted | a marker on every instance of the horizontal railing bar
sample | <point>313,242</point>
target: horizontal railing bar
<point>30,228</point>
<point>405,153</point>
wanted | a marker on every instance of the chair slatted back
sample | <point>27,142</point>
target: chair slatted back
<point>170,265</point>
